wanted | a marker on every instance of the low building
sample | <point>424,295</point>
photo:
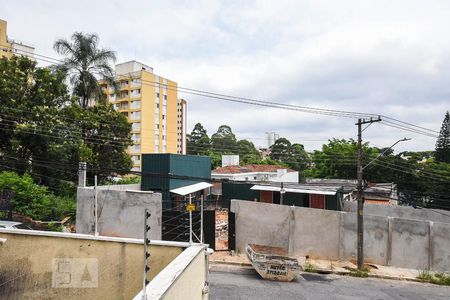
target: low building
<point>164,173</point>
<point>269,173</point>
<point>381,193</point>
<point>303,195</point>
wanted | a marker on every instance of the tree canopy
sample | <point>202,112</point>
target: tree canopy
<point>84,64</point>
<point>442,153</point>
<point>45,132</point>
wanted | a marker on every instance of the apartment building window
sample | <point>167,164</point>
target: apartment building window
<point>157,95</point>
<point>157,105</point>
<point>136,137</point>
<point>157,137</point>
<point>165,97</point>
<point>136,126</point>
<point>164,137</point>
<point>163,117</point>
<point>156,127</point>
<point>135,148</point>
<point>156,149</point>
<point>136,158</point>
<point>164,149</point>
<point>135,115</point>
<point>135,104</point>
<point>125,114</point>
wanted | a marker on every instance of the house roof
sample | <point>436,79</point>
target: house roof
<point>249,169</point>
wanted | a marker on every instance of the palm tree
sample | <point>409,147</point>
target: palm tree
<point>84,64</point>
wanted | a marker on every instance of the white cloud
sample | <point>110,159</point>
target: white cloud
<point>387,57</point>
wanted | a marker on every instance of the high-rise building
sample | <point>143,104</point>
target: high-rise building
<point>150,102</point>
<point>181,129</point>
<point>10,47</point>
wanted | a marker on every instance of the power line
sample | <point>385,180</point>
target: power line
<point>393,122</point>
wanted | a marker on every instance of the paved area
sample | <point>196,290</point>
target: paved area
<point>248,285</point>
<point>324,266</point>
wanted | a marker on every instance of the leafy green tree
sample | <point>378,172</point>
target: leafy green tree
<point>224,140</point>
<point>281,150</point>
<point>33,200</point>
<point>248,153</point>
<point>337,159</point>
<point>84,63</point>
<point>299,158</point>
<point>198,142</point>
<point>293,155</point>
<point>39,125</point>
<point>442,153</point>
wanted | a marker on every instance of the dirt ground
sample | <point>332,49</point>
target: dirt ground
<point>221,230</point>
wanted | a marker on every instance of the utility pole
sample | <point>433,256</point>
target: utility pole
<point>282,192</point>
<point>359,176</point>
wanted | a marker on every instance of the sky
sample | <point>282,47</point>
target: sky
<point>381,57</point>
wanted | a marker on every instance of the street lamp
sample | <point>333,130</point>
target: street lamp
<point>386,150</point>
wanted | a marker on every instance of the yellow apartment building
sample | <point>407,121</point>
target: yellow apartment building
<point>151,104</point>
<point>10,47</point>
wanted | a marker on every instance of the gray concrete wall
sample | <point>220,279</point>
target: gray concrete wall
<point>316,233</point>
<point>120,211</point>
<point>440,246</point>
<point>410,244</point>
<point>332,235</point>
<point>266,224</point>
<point>404,212</point>
<point>376,236</point>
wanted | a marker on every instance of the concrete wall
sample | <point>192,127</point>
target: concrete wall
<point>27,264</point>
<point>183,278</point>
<point>332,235</point>
<point>404,212</point>
<point>121,212</point>
<point>269,226</point>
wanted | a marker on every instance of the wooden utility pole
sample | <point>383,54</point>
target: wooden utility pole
<point>359,176</point>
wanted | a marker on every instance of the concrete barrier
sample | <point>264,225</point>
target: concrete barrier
<point>331,235</point>
<point>266,224</point>
<point>440,246</point>
<point>120,212</point>
<point>410,244</point>
<point>376,236</point>
<point>53,265</point>
<point>316,233</point>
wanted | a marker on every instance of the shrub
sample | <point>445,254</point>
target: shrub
<point>34,200</point>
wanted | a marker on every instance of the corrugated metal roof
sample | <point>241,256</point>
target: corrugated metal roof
<point>189,189</point>
<point>294,190</point>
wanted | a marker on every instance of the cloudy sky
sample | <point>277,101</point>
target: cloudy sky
<point>382,57</point>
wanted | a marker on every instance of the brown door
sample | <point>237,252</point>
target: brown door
<point>266,196</point>
<point>317,201</point>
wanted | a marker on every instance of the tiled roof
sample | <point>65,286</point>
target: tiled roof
<point>249,169</point>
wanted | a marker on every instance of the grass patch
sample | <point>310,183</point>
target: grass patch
<point>309,268</point>
<point>437,278</point>
<point>358,273</point>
